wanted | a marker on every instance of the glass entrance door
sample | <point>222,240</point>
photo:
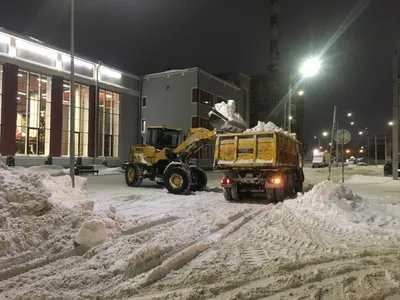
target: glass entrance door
<point>33,141</point>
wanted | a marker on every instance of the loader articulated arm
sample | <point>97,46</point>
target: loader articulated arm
<point>195,141</point>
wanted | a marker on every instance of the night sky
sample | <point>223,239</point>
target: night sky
<point>144,36</point>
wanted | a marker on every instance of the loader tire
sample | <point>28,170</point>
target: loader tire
<point>299,188</point>
<point>199,179</point>
<point>177,181</point>
<point>227,194</point>
<point>133,175</point>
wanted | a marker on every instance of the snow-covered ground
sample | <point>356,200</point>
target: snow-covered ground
<point>327,244</point>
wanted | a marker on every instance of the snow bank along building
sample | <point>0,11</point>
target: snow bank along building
<point>35,105</point>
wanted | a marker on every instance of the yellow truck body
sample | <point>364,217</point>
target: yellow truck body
<point>256,149</point>
<point>259,162</point>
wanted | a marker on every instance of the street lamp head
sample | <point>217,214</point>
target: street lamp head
<point>390,123</point>
<point>360,133</point>
<point>325,133</point>
<point>348,151</point>
<point>315,137</point>
<point>351,123</point>
<point>349,114</point>
<point>301,93</point>
<point>310,67</point>
<point>290,117</point>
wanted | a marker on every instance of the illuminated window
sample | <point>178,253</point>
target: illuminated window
<point>81,119</point>
<point>33,114</point>
<point>108,123</point>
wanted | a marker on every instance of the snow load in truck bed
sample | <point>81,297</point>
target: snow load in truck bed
<point>261,126</point>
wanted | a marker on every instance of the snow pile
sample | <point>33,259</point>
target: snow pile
<point>229,111</point>
<point>39,214</point>
<point>329,199</point>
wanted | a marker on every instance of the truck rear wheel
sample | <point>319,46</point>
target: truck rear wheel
<point>199,179</point>
<point>235,193</point>
<point>133,175</point>
<point>177,180</point>
<point>227,194</point>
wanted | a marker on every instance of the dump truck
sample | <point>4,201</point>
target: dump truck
<point>267,163</point>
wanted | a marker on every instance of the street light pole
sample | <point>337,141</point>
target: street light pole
<point>72,101</point>
<point>395,139</point>
<point>376,152</point>
<point>337,146</point>
<point>290,106</point>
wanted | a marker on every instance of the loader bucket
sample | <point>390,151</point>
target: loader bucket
<point>222,123</point>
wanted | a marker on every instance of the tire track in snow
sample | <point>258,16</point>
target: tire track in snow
<point>40,262</point>
<point>160,268</point>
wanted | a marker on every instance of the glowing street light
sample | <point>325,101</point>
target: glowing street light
<point>325,133</point>
<point>349,114</point>
<point>310,67</point>
<point>290,117</point>
<point>361,150</point>
<point>301,93</point>
<point>348,151</point>
<point>361,133</point>
<point>390,123</point>
<point>351,123</point>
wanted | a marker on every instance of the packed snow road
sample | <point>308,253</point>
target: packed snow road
<point>327,244</point>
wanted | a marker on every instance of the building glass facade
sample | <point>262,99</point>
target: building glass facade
<point>108,123</point>
<point>33,114</point>
<point>1,90</point>
<point>81,119</point>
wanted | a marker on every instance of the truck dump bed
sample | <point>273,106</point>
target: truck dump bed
<point>256,150</point>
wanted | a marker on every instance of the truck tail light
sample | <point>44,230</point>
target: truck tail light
<point>275,180</point>
<point>226,181</point>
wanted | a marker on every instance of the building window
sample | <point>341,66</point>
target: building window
<point>251,86</point>
<point>263,86</point>
<point>195,95</point>
<point>251,101</point>
<point>275,84</point>
<point>143,126</point>
<point>275,100</point>
<point>108,123</point>
<point>33,114</point>
<point>144,101</point>
<point>81,135</point>
<point>195,122</point>
<point>220,99</point>
<point>206,98</point>
<point>204,123</point>
<point>263,100</point>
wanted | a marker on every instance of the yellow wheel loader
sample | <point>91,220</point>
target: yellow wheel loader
<point>165,159</point>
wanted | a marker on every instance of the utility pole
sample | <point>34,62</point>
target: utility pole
<point>337,147</point>
<point>395,139</point>
<point>376,152</point>
<point>385,147</point>
<point>369,148</point>
<point>72,102</point>
<point>290,106</point>
<point>330,150</point>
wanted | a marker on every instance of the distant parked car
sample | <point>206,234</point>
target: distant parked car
<point>387,169</point>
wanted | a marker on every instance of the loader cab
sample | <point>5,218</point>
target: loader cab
<point>161,137</point>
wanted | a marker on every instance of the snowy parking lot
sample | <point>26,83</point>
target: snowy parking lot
<point>333,242</point>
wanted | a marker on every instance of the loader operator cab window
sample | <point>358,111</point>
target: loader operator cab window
<point>161,138</point>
